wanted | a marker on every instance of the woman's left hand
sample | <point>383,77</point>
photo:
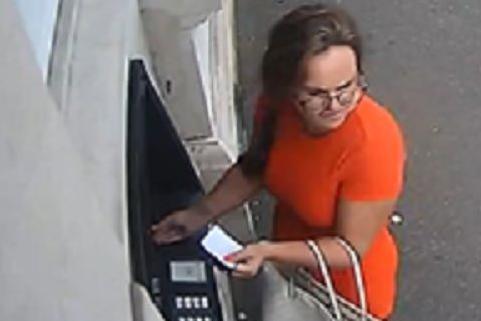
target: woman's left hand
<point>249,260</point>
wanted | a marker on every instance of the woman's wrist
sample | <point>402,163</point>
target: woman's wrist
<point>202,208</point>
<point>267,250</point>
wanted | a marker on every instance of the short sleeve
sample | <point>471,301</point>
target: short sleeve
<point>374,171</point>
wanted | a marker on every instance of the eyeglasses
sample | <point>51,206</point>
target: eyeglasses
<point>317,100</point>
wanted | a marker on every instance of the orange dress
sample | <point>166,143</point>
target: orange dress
<point>362,160</point>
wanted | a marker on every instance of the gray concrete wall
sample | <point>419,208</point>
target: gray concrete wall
<point>423,61</point>
<point>39,20</point>
<point>63,241</point>
<point>62,252</point>
<point>191,46</point>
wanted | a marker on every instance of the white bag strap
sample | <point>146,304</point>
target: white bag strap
<point>321,262</point>
<point>354,258</point>
<point>356,266</point>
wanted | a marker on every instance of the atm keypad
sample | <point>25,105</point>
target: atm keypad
<point>192,302</point>
<point>192,307</point>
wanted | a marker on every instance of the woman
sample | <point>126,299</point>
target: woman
<point>329,154</point>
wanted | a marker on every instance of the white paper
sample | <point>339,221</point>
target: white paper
<point>219,244</point>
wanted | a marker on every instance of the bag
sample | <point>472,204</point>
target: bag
<point>284,301</point>
<point>297,295</point>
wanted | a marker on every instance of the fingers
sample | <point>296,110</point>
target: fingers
<point>166,237</point>
<point>239,256</point>
<point>247,270</point>
<point>167,231</point>
<point>247,262</point>
<point>244,271</point>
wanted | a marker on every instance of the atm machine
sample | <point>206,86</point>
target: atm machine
<point>179,277</point>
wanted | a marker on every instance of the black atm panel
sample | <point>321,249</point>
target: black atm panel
<point>161,179</point>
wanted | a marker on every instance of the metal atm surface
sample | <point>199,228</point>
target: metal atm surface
<point>179,277</point>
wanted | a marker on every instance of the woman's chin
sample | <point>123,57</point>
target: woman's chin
<point>319,125</point>
<point>334,123</point>
<point>325,126</point>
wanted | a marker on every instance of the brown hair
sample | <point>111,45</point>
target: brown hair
<point>306,31</point>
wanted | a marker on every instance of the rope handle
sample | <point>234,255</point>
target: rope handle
<point>355,261</point>
<point>356,266</point>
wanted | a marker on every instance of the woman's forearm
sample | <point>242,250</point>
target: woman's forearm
<point>297,253</point>
<point>233,189</point>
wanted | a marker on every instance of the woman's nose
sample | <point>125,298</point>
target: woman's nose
<point>334,104</point>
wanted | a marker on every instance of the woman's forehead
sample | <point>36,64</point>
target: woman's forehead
<point>330,70</point>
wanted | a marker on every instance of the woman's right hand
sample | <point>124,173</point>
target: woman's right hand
<point>178,225</point>
<point>232,190</point>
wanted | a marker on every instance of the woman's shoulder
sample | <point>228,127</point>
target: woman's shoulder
<point>376,122</point>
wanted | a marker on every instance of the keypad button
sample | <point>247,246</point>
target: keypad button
<point>155,285</point>
<point>196,302</point>
<point>181,319</point>
<point>190,319</point>
<point>205,302</point>
<point>188,302</point>
<point>158,301</point>
<point>179,302</point>
<point>207,319</point>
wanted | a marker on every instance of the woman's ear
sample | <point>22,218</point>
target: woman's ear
<point>363,84</point>
<point>297,100</point>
